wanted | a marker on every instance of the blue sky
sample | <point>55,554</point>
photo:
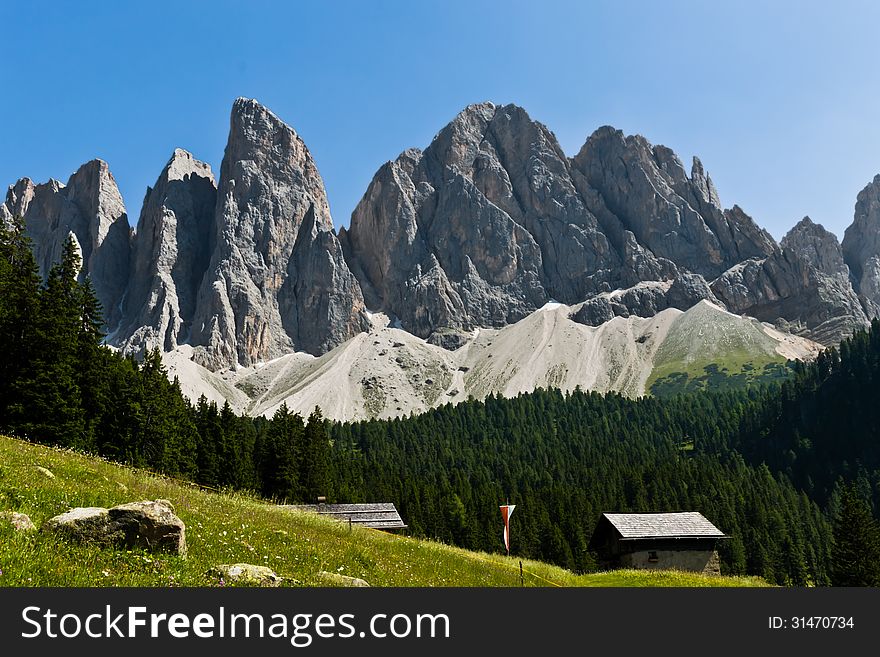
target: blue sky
<point>780,100</point>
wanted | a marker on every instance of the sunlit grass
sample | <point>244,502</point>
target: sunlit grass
<point>232,528</point>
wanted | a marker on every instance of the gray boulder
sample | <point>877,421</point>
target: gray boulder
<point>245,573</point>
<point>339,580</point>
<point>82,524</point>
<point>150,525</point>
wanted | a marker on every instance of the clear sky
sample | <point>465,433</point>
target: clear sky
<point>780,100</point>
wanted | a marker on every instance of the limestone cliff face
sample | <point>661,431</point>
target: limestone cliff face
<point>493,220</point>
<point>90,208</point>
<point>268,184</point>
<point>674,216</point>
<point>861,246</point>
<point>803,286</point>
<point>170,255</point>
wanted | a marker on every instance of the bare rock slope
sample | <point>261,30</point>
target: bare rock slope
<point>388,372</point>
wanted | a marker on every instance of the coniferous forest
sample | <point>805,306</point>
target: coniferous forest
<point>790,471</point>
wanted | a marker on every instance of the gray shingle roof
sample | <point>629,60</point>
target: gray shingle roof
<point>383,515</point>
<point>663,525</point>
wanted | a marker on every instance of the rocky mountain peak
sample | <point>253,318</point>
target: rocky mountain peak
<point>703,183</point>
<point>817,246</point>
<point>182,165</point>
<point>861,246</point>
<point>170,254</point>
<point>268,183</point>
<point>90,208</point>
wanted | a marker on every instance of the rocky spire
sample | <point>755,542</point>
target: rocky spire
<point>170,254</point>
<point>817,246</point>
<point>268,183</point>
<point>861,246</point>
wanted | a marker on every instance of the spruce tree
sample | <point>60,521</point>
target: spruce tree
<point>51,408</point>
<point>855,552</point>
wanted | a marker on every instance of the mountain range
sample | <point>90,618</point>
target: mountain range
<point>489,262</point>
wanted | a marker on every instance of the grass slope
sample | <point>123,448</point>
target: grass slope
<point>707,348</point>
<point>233,528</point>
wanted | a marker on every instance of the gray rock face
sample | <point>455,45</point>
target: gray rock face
<point>90,208</point>
<point>803,287</point>
<point>486,225</point>
<point>256,286</point>
<point>861,246</point>
<point>674,216</point>
<point>169,256</point>
<point>645,299</point>
<point>151,525</point>
<point>493,220</point>
<point>818,247</point>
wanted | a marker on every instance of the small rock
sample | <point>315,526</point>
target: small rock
<point>19,521</point>
<point>335,579</point>
<point>46,472</point>
<point>245,573</point>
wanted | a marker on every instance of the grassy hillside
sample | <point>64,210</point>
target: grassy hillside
<point>232,528</point>
<point>709,349</point>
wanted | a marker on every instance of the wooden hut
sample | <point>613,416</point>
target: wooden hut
<point>680,541</point>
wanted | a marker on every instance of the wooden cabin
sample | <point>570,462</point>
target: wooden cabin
<point>383,515</point>
<point>679,541</point>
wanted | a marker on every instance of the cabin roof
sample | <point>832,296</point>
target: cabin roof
<point>382,515</point>
<point>688,524</point>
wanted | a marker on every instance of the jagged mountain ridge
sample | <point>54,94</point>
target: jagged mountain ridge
<point>480,230</point>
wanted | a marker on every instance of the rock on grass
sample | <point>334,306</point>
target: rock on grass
<point>150,525</point>
<point>19,521</point>
<point>246,573</point>
<point>335,579</point>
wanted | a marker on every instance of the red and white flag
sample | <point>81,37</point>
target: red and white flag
<point>506,512</point>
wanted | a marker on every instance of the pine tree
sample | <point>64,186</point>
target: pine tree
<point>855,552</point>
<point>315,459</point>
<point>51,408</point>
<point>19,311</point>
